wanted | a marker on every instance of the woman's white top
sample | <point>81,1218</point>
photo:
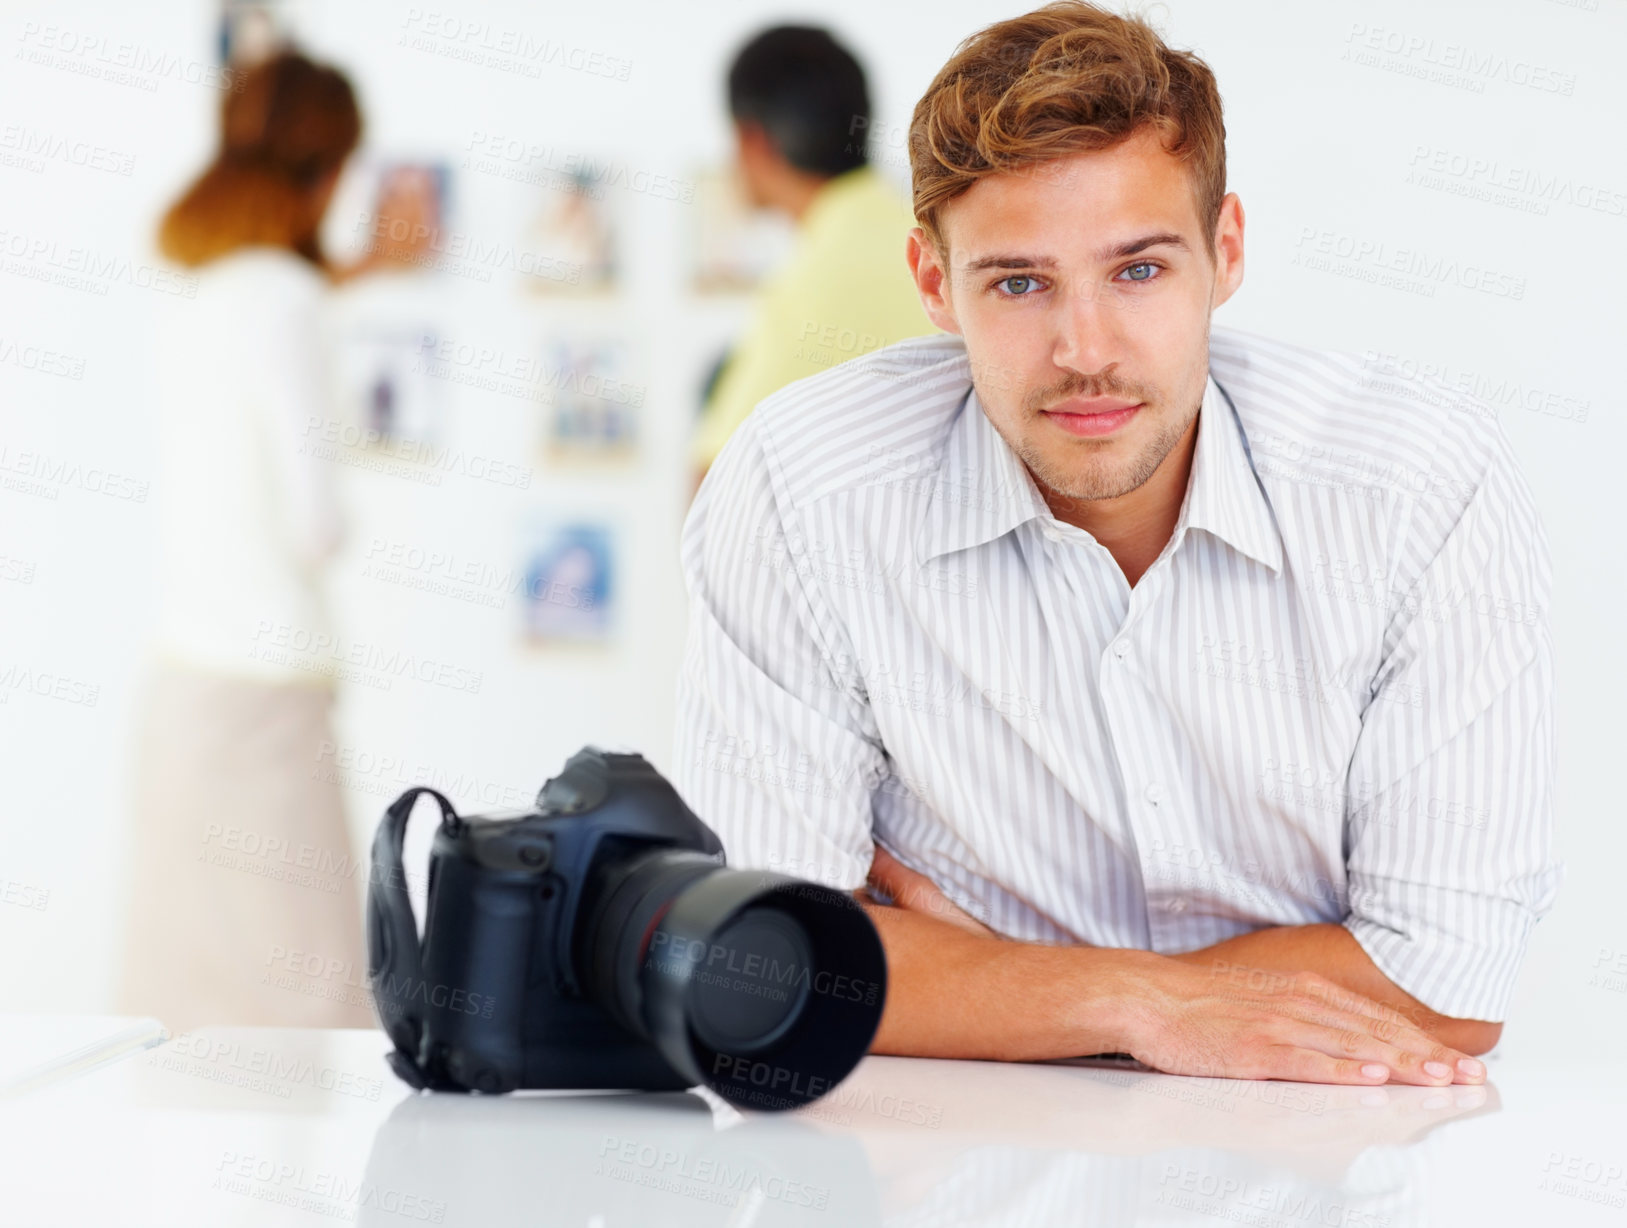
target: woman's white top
<point>248,512</point>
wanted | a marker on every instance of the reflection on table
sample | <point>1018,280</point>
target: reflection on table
<point>274,1126</point>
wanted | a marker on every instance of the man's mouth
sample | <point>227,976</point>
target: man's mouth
<point>1093,416</point>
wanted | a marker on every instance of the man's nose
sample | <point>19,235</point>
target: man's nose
<point>1089,330</point>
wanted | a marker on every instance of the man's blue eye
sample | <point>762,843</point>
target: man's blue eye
<point>1147,265</point>
<point>1021,281</point>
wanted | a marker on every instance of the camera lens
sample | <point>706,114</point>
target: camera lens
<point>745,1013</point>
<point>765,988</point>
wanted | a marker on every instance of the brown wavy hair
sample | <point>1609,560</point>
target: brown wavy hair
<point>1061,80</point>
<point>285,125</point>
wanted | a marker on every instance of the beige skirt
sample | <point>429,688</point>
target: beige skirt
<point>245,901</point>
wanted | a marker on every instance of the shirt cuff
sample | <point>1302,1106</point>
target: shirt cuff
<point>1463,964</point>
<point>835,869</point>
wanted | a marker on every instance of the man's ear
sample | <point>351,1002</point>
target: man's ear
<point>1228,249</point>
<point>750,135</point>
<point>754,147</point>
<point>931,280</point>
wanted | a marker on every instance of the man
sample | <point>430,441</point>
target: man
<point>801,112</point>
<point>1189,697</point>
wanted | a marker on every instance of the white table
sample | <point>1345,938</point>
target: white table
<point>270,1126</point>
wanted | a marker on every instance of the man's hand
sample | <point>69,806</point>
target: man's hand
<point>1332,951</point>
<point>918,893</point>
<point>958,990</point>
<point>1245,1024</point>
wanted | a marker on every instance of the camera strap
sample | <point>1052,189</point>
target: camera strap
<point>394,962</point>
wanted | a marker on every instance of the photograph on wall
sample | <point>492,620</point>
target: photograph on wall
<point>570,245</point>
<point>389,388</point>
<point>592,402</point>
<point>250,31</point>
<point>734,246</point>
<point>570,594</point>
<point>409,213</point>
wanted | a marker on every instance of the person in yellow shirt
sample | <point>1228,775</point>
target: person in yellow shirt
<point>801,112</point>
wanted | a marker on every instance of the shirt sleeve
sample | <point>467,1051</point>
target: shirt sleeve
<point>1450,800</point>
<point>775,746</point>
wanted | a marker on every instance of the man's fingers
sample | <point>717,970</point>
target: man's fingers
<point>1416,1057</point>
<point>1351,1041</point>
<point>1312,1066</point>
<point>917,892</point>
<point>1391,1031</point>
<point>888,873</point>
<point>1340,998</point>
<point>1393,1026</point>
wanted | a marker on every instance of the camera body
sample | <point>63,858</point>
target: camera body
<point>595,941</point>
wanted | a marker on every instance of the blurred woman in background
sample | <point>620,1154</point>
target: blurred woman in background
<point>245,876</point>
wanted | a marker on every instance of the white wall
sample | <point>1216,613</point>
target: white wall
<point>1321,144</point>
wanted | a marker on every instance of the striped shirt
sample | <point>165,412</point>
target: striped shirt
<point>1329,699</point>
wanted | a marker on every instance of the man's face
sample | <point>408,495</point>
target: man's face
<point>1083,284</point>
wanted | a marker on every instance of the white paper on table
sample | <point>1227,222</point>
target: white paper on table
<point>40,1049</point>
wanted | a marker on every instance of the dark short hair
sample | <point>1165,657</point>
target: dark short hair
<point>808,93</point>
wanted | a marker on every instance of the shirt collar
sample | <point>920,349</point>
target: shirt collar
<point>983,490</point>
<point>1223,494</point>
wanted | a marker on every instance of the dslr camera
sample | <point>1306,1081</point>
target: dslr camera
<point>598,940</point>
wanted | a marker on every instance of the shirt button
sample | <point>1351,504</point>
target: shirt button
<point>1121,649</point>
<point>1154,793</point>
<point>1051,535</point>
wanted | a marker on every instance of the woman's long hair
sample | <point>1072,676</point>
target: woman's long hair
<point>286,125</point>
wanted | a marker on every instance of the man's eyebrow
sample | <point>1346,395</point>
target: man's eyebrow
<point>1167,238</point>
<point>1118,251</point>
<point>1008,262</point>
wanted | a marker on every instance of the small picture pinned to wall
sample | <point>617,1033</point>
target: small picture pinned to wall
<point>735,246</point>
<point>570,245</point>
<point>390,390</point>
<point>409,214</point>
<point>570,592</point>
<point>592,405</point>
<point>251,31</point>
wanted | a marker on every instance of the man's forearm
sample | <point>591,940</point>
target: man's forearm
<point>956,989</point>
<point>1332,951</point>
<point>952,993</point>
